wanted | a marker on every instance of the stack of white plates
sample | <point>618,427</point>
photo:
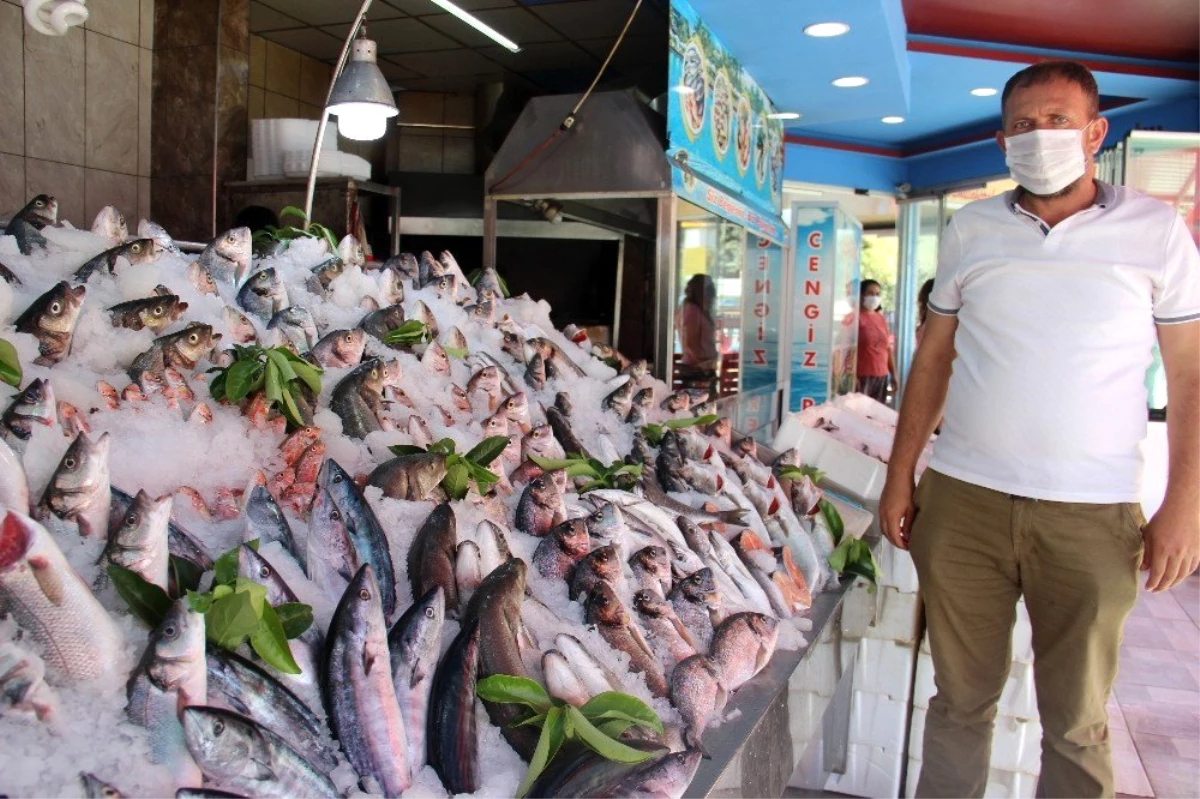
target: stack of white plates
<point>296,164</point>
<point>272,139</point>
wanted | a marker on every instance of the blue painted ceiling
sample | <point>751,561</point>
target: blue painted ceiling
<point>925,79</point>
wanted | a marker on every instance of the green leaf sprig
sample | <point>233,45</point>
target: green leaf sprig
<point>277,372</point>
<point>598,724</point>
<point>462,470</point>
<point>800,472</point>
<point>854,556</point>
<point>618,474</point>
<point>10,365</point>
<point>411,333</point>
<point>654,432</point>
<point>307,230</point>
<point>235,609</point>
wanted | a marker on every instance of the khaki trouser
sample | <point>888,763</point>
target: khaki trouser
<point>978,550</point>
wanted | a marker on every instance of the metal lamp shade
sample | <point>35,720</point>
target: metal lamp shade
<point>361,91</point>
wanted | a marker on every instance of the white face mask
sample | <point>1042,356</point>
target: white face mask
<point>872,301</point>
<point>1046,161</point>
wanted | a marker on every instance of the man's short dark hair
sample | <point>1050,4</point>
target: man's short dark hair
<point>1047,71</point>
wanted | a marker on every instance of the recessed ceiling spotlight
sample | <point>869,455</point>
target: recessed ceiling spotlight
<point>984,92</point>
<point>825,30</point>
<point>850,82</point>
<point>892,120</point>
<point>784,115</point>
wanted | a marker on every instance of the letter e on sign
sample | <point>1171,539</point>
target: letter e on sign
<point>814,263</point>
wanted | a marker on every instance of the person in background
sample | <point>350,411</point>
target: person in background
<point>923,307</point>
<point>876,363</point>
<point>1034,486</point>
<point>698,333</point>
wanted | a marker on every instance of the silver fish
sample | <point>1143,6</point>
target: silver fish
<point>414,644</point>
<point>200,278</point>
<point>227,257</point>
<point>697,690</point>
<point>110,224</point>
<point>80,489</point>
<point>34,405</point>
<point>241,329</point>
<point>296,323</point>
<point>152,230</point>
<point>742,646</point>
<point>263,294</point>
<point>139,541</point>
<point>340,349</point>
<point>51,319</point>
<point>561,680</point>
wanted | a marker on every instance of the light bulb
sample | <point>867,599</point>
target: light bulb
<point>362,121</point>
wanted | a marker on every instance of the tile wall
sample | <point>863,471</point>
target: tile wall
<point>448,150</point>
<point>75,120</point>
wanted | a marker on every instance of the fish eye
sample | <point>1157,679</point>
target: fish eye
<point>231,238</point>
<point>193,338</point>
<point>364,594</point>
<point>337,478</point>
<point>157,310</point>
<point>374,374</point>
<point>56,307</point>
<point>264,571</point>
<point>135,248</point>
<point>39,203</point>
<point>429,614</point>
<point>131,520</point>
<point>110,793</point>
<point>218,727</point>
<point>335,515</point>
<point>69,462</point>
<point>170,631</point>
<point>349,337</point>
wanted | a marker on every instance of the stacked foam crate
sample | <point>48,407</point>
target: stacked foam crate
<point>1016,743</point>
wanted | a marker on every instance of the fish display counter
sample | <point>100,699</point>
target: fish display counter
<point>290,523</point>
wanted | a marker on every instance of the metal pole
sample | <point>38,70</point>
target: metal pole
<point>337,71</point>
<point>616,325</point>
<point>489,232</point>
<point>664,290</point>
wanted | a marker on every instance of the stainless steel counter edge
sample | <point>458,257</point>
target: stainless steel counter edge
<point>759,738</point>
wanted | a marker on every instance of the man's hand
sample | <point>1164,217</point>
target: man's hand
<point>896,509</point>
<point>1172,546</point>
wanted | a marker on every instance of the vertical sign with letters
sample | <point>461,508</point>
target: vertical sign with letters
<point>812,304</point>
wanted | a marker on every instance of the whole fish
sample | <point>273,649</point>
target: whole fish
<point>496,609</point>
<point>139,541</point>
<point>670,637</point>
<point>152,230</point>
<point>535,372</point>
<point>429,269</point>
<point>241,329</point>
<point>358,398</point>
<point>432,555</point>
<point>93,786</point>
<point>331,559</point>
<point>516,408</point>
<point>138,251</point>
<point>600,566</point>
<point>453,745</point>
<point>28,238</point>
<point>695,599</point>
<point>742,646</point>
<point>540,441</point>
<point>39,212</point>
<point>698,692</point>
<point>110,224</point>
<point>414,644</point>
<point>557,362</point>
<point>578,771</point>
<point>181,350</point>
<point>405,264</point>
<point>265,521</point>
<point>565,435</point>
<point>651,568</point>
<point>391,287</point>
<point>482,312</point>
<point>468,570</point>
<point>379,323</point>
<point>227,257</point>
<point>297,325</point>
<point>360,697</point>
<point>410,477</point>
<point>340,349</point>
<point>14,487</point>
<point>239,753</point>
<point>363,529</point>
<point>79,491</point>
<point>513,344</point>
<point>307,647</point>
<point>730,587</point>
<point>351,251</point>
<point>324,273</point>
<point>621,399</point>
<point>561,680</point>
<point>436,360</point>
<point>421,313</point>
<point>486,381</point>
<point>670,463</point>
<point>540,507</point>
<point>666,778</point>
<point>263,294</point>
<point>418,431</point>
<point>596,678</point>
<point>34,405</point>
<point>489,281</point>
<point>200,278</point>
<point>564,546</point>
<point>493,546</point>
<point>156,312</point>
<point>445,287</point>
<point>180,542</point>
<point>51,319</point>
<point>51,603</point>
<point>748,585</point>
<point>171,674</point>
<point>246,688</point>
<point>612,620</point>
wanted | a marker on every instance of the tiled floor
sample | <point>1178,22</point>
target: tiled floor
<point>1154,715</point>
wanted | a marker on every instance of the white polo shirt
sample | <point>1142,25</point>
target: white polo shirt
<point>1056,327</point>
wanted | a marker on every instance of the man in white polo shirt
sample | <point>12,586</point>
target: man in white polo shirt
<point>1044,312</point>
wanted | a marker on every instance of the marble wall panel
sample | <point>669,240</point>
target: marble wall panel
<point>111,120</point>
<point>54,97</point>
<point>120,19</point>
<point>12,183</point>
<point>64,181</point>
<point>101,188</point>
<point>12,80</point>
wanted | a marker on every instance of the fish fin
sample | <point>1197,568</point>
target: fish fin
<point>262,771</point>
<point>368,660</point>
<point>683,631</point>
<point>48,578</point>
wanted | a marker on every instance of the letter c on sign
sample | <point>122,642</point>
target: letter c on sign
<point>814,239</point>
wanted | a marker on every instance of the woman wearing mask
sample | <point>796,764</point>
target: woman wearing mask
<point>923,307</point>
<point>698,332</point>
<point>876,366</point>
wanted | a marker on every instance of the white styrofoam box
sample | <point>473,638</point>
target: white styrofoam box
<point>1020,695</point>
<point>804,721</point>
<point>878,720</point>
<point>1008,743</point>
<point>916,733</point>
<point>856,520</point>
<point>1031,757</point>
<point>846,469</point>
<point>1003,784</point>
<point>925,643</point>
<point>914,774</point>
<point>923,687</point>
<point>872,409</point>
<point>1022,640</point>
<point>897,567</point>
<point>883,667</point>
<point>858,610</point>
<point>895,616</point>
<point>870,771</point>
<point>817,672</point>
